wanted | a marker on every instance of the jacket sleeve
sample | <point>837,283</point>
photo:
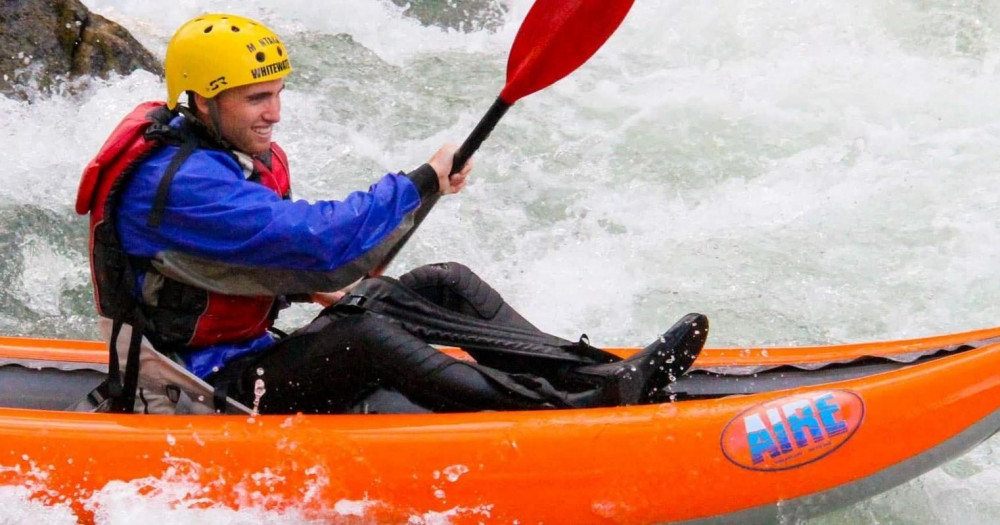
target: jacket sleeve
<point>228,235</point>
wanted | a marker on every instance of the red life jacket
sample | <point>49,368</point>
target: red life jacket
<point>185,316</point>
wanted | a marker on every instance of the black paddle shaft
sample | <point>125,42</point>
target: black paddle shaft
<point>479,134</point>
<point>462,156</point>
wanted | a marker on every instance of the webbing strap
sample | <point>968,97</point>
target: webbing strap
<point>126,402</point>
<point>111,392</point>
<point>438,325</point>
<point>219,396</point>
<point>114,379</point>
<point>163,189</point>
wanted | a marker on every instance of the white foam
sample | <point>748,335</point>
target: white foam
<point>16,507</point>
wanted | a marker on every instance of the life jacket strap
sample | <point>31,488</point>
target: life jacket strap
<point>163,189</point>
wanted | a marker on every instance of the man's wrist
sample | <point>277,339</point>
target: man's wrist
<point>426,181</point>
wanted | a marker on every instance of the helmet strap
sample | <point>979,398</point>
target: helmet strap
<point>213,128</point>
<point>213,113</point>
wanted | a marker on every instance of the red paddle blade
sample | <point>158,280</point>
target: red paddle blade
<point>557,37</point>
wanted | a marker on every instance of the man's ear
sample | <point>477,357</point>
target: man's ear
<point>200,103</point>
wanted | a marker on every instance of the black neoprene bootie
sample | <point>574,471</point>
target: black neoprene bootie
<point>636,379</point>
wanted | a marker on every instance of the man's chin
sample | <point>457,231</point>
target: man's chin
<point>257,148</point>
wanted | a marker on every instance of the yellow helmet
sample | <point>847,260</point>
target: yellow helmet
<point>212,53</point>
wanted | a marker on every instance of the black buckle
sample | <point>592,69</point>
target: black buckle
<point>357,301</point>
<point>173,393</point>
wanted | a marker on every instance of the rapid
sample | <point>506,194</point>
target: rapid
<point>801,172</point>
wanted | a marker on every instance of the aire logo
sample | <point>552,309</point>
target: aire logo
<point>792,431</point>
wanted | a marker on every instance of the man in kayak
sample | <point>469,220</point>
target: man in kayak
<point>197,243</point>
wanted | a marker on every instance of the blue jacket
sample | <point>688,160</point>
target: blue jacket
<point>226,234</point>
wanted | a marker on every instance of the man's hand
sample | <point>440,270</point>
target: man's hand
<point>325,299</point>
<point>441,162</point>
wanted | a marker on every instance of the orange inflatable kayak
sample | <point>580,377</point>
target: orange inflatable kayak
<point>754,435</point>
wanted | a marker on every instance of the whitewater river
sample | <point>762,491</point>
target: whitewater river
<point>802,172</point>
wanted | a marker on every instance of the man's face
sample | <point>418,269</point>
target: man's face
<point>248,114</point>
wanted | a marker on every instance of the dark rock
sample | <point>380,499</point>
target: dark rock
<point>460,15</point>
<point>43,42</point>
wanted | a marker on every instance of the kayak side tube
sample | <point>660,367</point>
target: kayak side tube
<point>793,452</point>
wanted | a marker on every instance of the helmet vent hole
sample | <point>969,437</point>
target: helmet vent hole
<point>208,29</point>
<point>235,29</point>
<point>260,56</point>
<point>280,52</point>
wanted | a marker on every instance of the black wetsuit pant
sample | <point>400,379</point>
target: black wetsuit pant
<point>343,356</point>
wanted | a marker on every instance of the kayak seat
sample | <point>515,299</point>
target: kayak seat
<point>165,386</point>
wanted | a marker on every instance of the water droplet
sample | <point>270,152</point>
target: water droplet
<point>455,471</point>
<point>258,392</point>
